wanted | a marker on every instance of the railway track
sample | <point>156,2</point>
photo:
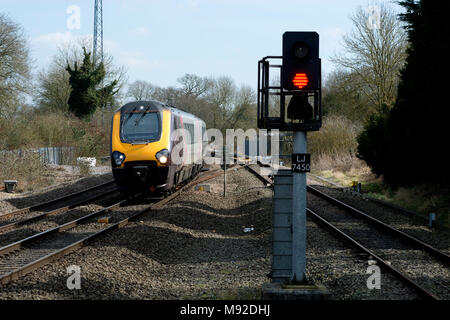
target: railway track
<point>26,255</point>
<point>20,221</point>
<point>382,242</point>
<point>60,202</point>
<point>421,219</point>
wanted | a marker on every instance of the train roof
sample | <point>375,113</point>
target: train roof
<point>155,106</point>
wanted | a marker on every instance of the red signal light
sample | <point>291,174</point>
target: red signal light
<point>300,80</point>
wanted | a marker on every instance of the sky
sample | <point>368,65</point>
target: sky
<point>161,40</point>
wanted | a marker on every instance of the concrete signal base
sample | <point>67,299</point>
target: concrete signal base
<point>280,291</point>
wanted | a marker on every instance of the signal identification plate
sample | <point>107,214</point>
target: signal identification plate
<point>301,162</point>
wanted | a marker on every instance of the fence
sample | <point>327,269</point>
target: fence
<point>57,155</point>
<point>49,155</point>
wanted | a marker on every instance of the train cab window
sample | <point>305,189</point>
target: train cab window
<point>140,127</point>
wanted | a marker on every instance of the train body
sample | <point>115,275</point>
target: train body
<point>145,136</point>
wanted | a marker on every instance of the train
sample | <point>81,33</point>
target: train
<point>155,147</point>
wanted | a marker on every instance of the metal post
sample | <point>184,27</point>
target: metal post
<point>432,219</point>
<point>299,214</point>
<point>224,171</point>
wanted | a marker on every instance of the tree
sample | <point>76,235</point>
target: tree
<point>14,66</point>
<point>221,97</point>
<point>244,115</point>
<point>418,122</point>
<point>53,88</point>
<point>141,90</point>
<point>375,53</point>
<point>342,95</point>
<point>86,96</point>
<point>374,144</point>
<point>193,85</point>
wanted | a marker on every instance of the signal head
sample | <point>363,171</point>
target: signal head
<point>301,68</point>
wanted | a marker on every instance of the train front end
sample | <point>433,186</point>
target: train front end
<point>140,144</point>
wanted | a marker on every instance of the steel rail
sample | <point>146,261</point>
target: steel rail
<point>21,271</point>
<point>54,212</point>
<point>51,202</point>
<point>428,248</point>
<point>358,213</point>
<point>61,228</point>
<point>400,210</point>
<point>425,293</point>
<point>264,179</point>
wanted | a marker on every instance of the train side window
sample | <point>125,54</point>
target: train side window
<point>190,128</point>
<point>203,133</point>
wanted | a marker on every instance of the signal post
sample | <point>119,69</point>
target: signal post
<point>300,111</point>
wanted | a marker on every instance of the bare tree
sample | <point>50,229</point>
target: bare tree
<point>14,65</point>
<point>53,89</point>
<point>193,85</point>
<point>342,95</point>
<point>221,96</point>
<point>374,52</point>
<point>141,90</point>
<point>244,112</point>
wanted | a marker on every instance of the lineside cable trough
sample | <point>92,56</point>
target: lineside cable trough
<point>10,186</point>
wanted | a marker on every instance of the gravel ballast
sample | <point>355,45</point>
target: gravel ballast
<point>196,248</point>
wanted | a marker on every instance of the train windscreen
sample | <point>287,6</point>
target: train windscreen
<point>140,127</point>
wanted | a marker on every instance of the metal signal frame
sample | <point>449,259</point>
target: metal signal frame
<point>265,90</point>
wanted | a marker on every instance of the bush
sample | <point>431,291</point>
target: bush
<point>25,167</point>
<point>31,130</point>
<point>334,146</point>
<point>337,136</point>
<point>373,142</point>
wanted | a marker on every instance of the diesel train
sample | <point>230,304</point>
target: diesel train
<point>155,147</point>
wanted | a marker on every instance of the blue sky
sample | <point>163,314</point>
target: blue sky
<point>160,40</point>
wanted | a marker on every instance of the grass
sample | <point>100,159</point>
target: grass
<point>33,129</point>
<point>422,199</point>
<point>26,168</point>
<point>333,151</point>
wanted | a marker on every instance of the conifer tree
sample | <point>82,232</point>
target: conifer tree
<point>418,122</point>
<point>87,93</point>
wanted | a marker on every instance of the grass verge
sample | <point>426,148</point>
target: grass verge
<point>423,199</point>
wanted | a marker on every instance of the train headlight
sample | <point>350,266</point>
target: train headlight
<point>163,156</point>
<point>118,158</point>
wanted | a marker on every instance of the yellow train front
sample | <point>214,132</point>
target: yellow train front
<point>146,137</point>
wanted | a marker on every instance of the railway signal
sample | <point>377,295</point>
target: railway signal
<point>300,88</point>
<point>301,63</point>
<point>300,111</point>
